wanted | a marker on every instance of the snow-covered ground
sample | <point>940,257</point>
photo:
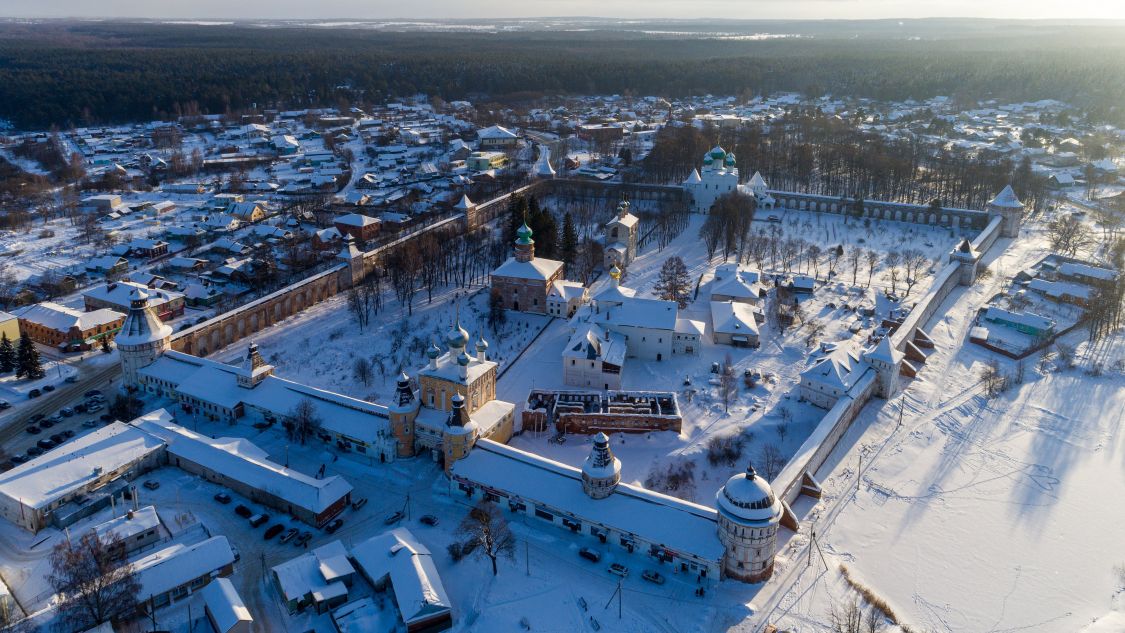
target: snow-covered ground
<point>974,514</point>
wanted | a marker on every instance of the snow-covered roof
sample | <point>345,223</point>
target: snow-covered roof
<point>1006,199</point>
<point>733,281</point>
<point>538,268</point>
<point>77,464</point>
<point>241,459</point>
<point>566,289</point>
<point>120,293</point>
<point>838,369</point>
<point>673,523</point>
<point>592,342</point>
<point>748,499</point>
<point>414,578</point>
<point>130,524</point>
<point>1060,289</point>
<point>225,605</point>
<point>654,314</point>
<point>164,570</point>
<point>732,317</point>
<point>356,219</point>
<point>884,351</point>
<point>302,576</point>
<point>1073,269</point>
<point>693,178</point>
<point>61,318</point>
<point>496,132</point>
<point>994,313</point>
<point>756,181</point>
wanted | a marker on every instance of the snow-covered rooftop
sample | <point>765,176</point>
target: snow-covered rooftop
<point>61,318</point>
<point>166,569</point>
<point>417,586</point>
<point>225,605</point>
<point>538,268</point>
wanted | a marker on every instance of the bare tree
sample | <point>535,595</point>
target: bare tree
<point>872,259</point>
<point>361,369</point>
<point>816,330</point>
<point>93,579</point>
<point>853,257</point>
<point>914,260</point>
<point>1068,235</point>
<point>993,379</point>
<point>893,259</point>
<point>302,422</point>
<point>770,460</point>
<point>486,532</point>
<point>728,386</point>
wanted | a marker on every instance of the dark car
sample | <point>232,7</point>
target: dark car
<point>152,484</point>
<point>4,404</point>
<point>80,407</point>
<point>91,393</point>
<point>334,525</point>
<point>68,434</point>
<point>589,554</point>
<point>305,537</point>
<point>393,518</point>
<point>46,444</point>
<point>274,530</point>
<point>58,438</point>
<point>290,535</point>
<point>259,519</point>
<point>46,423</point>
<point>428,519</point>
<point>66,412</point>
<point>48,388</point>
<point>222,498</point>
<point>35,451</point>
<point>34,393</point>
<point>243,511</point>
<point>34,430</point>
<point>19,459</point>
<point>359,503</point>
<point>37,417</point>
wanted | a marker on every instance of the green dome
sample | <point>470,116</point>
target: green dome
<point>464,359</point>
<point>730,158</point>
<point>434,351</point>
<point>482,345</point>
<point>718,152</point>
<point>523,234</point>
<point>707,159</point>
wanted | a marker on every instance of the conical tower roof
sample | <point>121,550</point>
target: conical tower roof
<point>141,326</point>
<point>1006,199</point>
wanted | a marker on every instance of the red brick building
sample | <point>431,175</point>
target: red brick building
<point>524,280</point>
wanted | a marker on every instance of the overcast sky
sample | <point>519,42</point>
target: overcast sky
<point>745,9</point>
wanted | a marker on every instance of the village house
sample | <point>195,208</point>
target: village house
<point>224,608</point>
<point>179,570</point>
<point>108,265</point>
<point>116,296</point>
<point>484,161</point>
<point>396,560</point>
<point>363,228</point>
<point>497,138</point>
<point>593,358</point>
<point>319,579</point>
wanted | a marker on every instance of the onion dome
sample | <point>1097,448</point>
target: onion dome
<point>730,158</point>
<point>482,345</point>
<point>707,160</point>
<point>523,234</point>
<point>748,498</point>
<point>458,337</point>
<point>464,359</point>
<point>615,273</point>
<point>433,351</point>
<point>718,153</point>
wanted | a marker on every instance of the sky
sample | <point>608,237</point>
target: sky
<point>738,9</point>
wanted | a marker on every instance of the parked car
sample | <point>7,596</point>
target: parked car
<point>66,412</point>
<point>58,438</point>
<point>37,417</point>
<point>69,433</point>
<point>222,498</point>
<point>152,484</point>
<point>394,518</point>
<point>56,418</point>
<point>34,430</point>
<point>359,503</point>
<point>6,466</point>
<point>274,530</point>
<point>19,459</point>
<point>653,576</point>
<point>428,519</point>
<point>305,537</point>
<point>258,519</point>
<point>333,526</point>
<point>46,444</point>
<point>34,393</point>
<point>589,554</point>
<point>617,569</point>
<point>4,404</point>
<point>35,451</point>
<point>94,407</point>
<point>71,378</point>
<point>48,388</point>
<point>80,407</point>
<point>91,393</point>
<point>105,417</point>
<point>243,511</point>
<point>90,424</point>
<point>290,535</point>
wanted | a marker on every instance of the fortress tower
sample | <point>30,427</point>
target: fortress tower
<point>602,471</point>
<point>1010,209</point>
<point>749,514</point>
<point>460,433</point>
<point>142,339</point>
<point>403,412</point>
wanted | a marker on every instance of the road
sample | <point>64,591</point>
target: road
<point>14,421</point>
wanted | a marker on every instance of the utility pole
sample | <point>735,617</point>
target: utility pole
<point>527,556</point>
<point>812,543</point>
